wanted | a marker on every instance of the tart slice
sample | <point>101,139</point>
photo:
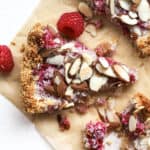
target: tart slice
<point>133,16</point>
<point>57,73</point>
<point>132,130</point>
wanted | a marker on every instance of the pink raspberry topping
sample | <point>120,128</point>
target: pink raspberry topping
<point>94,135</point>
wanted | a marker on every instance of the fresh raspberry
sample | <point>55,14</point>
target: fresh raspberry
<point>71,24</point>
<point>6,59</point>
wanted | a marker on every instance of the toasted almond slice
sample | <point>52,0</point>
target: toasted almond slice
<point>125,4</point>
<point>69,92</point>
<point>121,73</point>
<point>127,20</point>
<point>133,14</point>
<point>144,10</point>
<point>56,60</point>
<point>91,29</point>
<point>69,45</point>
<point>75,67</point>
<point>103,62</point>
<point>67,67</point>
<point>87,58</point>
<point>76,81</point>
<point>137,30</point>
<point>137,2</point>
<point>132,123</point>
<point>97,81</point>
<point>112,117</point>
<point>85,72</point>
<point>102,112</point>
<point>85,9</point>
<point>112,8</point>
<point>108,72</point>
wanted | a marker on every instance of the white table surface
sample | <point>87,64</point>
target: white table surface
<point>16,131</point>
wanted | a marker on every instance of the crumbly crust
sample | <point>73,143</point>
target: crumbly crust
<point>143,45</point>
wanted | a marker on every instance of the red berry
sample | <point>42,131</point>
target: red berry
<point>6,59</point>
<point>71,24</point>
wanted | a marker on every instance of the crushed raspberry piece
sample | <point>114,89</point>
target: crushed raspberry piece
<point>99,6</point>
<point>6,59</point>
<point>94,135</point>
<point>50,40</point>
<point>63,122</point>
<point>101,101</point>
<point>71,24</point>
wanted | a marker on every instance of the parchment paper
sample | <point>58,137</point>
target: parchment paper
<point>48,12</point>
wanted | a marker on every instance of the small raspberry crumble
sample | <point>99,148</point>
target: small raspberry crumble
<point>94,135</point>
<point>71,24</point>
<point>140,127</point>
<point>6,59</point>
<point>63,122</point>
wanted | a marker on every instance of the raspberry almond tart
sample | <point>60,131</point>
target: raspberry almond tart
<point>58,73</point>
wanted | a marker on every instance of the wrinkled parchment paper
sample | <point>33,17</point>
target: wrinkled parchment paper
<point>48,12</point>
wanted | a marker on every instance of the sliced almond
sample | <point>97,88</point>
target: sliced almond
<point>91,29</point>
<point>67,67</point>
<point>112,8</point>
<point>80,87</point>
<point>97,81</point>
<point>56,60</point>
<point>132,123</point>
<point>125,4</point>
<point>69,92</point>
<point>85,72</point>
<point>137,2</point>
<point>69,45</point>
<point>133,14</point>
<point>88,58</point>
<point>127,20</point>
<point>75,67</point>
<point>102,112</point>
<point>85,9</point>
<point>108,72</point>
<point>144,10</point>
<point>76,81</point>
<point>112,117</point>
<point>103,62</point>
<point>121,72</point>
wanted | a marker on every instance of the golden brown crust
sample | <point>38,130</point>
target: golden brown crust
<point>143,45</point>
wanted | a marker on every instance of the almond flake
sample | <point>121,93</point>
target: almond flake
<point>137,30</point>
<point>76,81</point>
<point>112,7</point>
<point>85,9</point>
<point>108,72</point>
<point>125,4</point>
<point>144,10</point>
<point>112,117</point>
<point>85,72</point>
<point>69,92</point>
<point>121,73</point>
<point>67,67</point>
<point>133,14</point>
<point>97,81</point>
<point>91,29</point>
<point>127,20</point>
<point>102,112</point>
<point>56,60</point>
<point>103,62</point>
<point>132,123</point>
<point>87,58</point>
<point>75,67</point>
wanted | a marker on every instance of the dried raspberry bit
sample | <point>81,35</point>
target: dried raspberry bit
<point>94,135</point>
<point>140,127</point>
<point>101,101</point>
<point>6,59</point>
<point>71,24</point>
<point>63,122</point>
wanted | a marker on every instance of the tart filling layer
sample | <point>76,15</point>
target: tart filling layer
<point>64,73</point>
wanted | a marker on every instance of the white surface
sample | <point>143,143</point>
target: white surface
<point>16,131</point>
